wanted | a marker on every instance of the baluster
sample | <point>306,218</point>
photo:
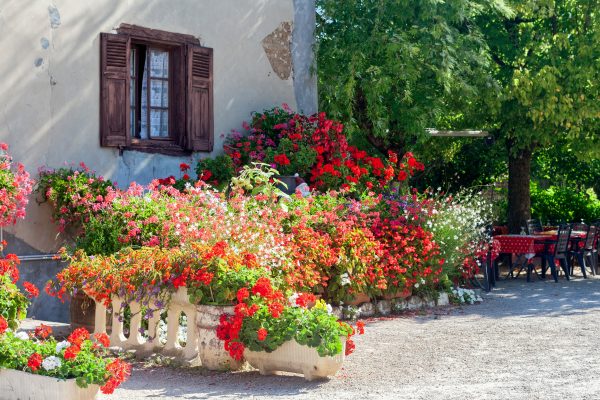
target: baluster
<point>100,318</point>
<point>117,337</point>
<point>135,338</point>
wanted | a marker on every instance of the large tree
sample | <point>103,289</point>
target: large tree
<point>390,69</point>
<point>547,57</point>
<point>528,71</point>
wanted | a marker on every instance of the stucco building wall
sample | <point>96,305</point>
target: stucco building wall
<point>49,81</point>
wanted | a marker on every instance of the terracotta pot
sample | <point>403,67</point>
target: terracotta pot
<point>210,349</point>
<point>19,385</point>
<point>300,359</point>
<point>359,298</point>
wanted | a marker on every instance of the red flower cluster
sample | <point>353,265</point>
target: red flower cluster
<point>103,339</point>
<point>281,159</point>
<point>230,325</point>
<point>3,325</point>
<point>34,361</point>
<point>31,290</point>
<point>118,372</point>
<point>43,331</point>
<point>76,338</point>
<point>9,266</point>
<point>15,187</point>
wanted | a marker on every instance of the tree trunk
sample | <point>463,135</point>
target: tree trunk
<point>519,199</point>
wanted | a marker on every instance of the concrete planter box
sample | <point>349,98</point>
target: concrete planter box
<point>19,385</point>
<point>210,349</point>
<point>293,357</point>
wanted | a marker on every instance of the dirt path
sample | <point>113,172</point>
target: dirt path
<point>526,341</point>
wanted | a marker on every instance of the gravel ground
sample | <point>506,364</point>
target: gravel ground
<point>525,341</point>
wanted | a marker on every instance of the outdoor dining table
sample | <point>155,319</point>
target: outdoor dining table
<point>525,247</point>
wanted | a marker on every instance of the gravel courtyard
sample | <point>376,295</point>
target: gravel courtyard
<point>534,340</point>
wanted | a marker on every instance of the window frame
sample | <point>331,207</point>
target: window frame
<point>182,115</point>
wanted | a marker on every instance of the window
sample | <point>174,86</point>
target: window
<point>156,91</point>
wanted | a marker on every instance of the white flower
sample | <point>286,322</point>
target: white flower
<point>292,300</point>
<point>62,345</point>
<point>417,285</point>
<point>329,309</point>
<point>22,335</point>
<point>345,279</point>
<point>51,363</point>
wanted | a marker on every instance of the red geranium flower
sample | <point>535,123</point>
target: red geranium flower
<point>184,167</point>
<point>3,325</point>
<point>34,361</point>
<point>78,336</point>
<point>360,327</point>
<point>31,289</point>
<point>281,159</point>
<point>261,334</point>
<point>71,352</point>
<point>43,331</point>
<point>242,294</point>
<point>103,339</point>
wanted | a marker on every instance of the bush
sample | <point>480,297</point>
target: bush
<point>564,204</point>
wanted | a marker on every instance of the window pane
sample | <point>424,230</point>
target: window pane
<point>159,97</point>
<point>159,63</point>
<point>159,121</point>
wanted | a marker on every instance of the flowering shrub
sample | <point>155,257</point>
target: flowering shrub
<point>458,224</point>
<point>76,358</point>
<point>460,295</point>
<point>316,148</point>
<point>74,193</point>
<point>15,187</point>
<point>13,303</point>
<point>264,320</point>
<point>216,171</point>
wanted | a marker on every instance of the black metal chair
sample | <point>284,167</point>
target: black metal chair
<point>560,254</point>
<point>534,226</point>
<point>583,253</point>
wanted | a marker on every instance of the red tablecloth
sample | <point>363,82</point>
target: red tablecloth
<point>519,244</point>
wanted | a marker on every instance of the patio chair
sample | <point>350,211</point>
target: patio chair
<point>534,226</point>
<point>583,253</point>
<point>579,226</point>
<point>560,254</point>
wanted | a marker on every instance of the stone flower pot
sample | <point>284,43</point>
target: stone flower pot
<point>210,349</point>
<point>300,359</point>
<point>19,385</point>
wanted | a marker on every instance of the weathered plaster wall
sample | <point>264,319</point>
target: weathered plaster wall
<point>49,83</point>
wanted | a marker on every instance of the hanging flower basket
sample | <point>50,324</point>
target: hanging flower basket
<point>19,385</point>
<point>296,358</point>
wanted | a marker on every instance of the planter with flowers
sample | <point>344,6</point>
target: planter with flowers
<point>36,366</point>
<point>278,334</point>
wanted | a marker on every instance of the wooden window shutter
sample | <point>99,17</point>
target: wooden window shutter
<point>199,113</point>
<point>114,90</point>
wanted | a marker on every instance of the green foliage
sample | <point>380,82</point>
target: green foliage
<point>313,327</point>
<point>565,204</point>
<point>225,283</point>
<point>301,157</point>
<point>390,69</point>
<point>259,178</point>
<point>217,171</point>
<point>13,303</point>
<point>546,59</point>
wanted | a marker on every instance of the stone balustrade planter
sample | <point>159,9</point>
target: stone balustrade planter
<point>210,349</point>
<point>178,304</point>
<point>296,358</point>
<point>19,385</point>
